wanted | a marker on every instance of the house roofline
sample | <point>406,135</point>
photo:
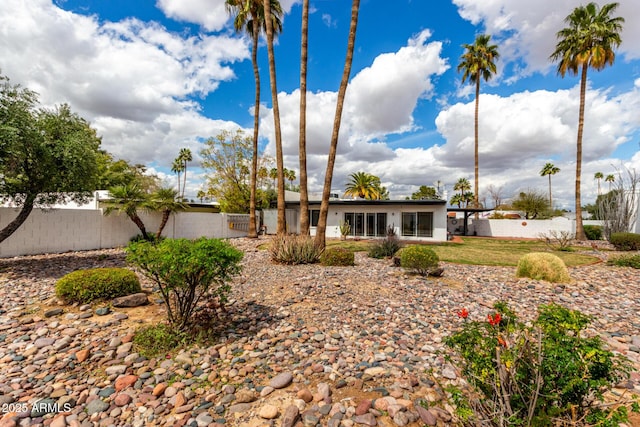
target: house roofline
<point>360,202</point>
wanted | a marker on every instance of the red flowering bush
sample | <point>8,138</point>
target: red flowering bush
<point>541,374</point>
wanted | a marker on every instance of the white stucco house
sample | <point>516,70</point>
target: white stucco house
<point>421,220</point>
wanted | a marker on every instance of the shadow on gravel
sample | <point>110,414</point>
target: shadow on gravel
<point>54,266</point>
<point>239,320</point>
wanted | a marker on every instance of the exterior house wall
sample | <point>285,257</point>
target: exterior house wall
<point>394,217</point>
<point>63,230</point>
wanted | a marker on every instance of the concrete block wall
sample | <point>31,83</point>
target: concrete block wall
<point>63,230</point>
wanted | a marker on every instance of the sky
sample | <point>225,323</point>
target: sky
<point>155,76</point>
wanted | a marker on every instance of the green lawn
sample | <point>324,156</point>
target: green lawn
<point>479,251</point>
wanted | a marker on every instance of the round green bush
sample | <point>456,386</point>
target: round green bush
<point>625,241</point>
<point>85,286</point>
<point>337,257</point>
<point>543,266</point>
<point>420,259</point>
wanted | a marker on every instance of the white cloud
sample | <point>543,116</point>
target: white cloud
<point>529,33</point>
<point>131,79</point>
<point>210,14</point>
<point>380,101</point>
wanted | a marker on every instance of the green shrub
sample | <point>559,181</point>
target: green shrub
<point>632,261</point>
<point>542,374</point>
<point>625,241</point>
<point>186,270</point>
<point>293,249</point>
<point>543,266</point>
<point>85,286</point>
<point>593,232</point>
<point>153,340</point>
<point>140,238</point>
<point>420,259</point>
<point>337,257</point>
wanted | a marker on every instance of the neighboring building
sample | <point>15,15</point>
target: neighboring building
<point>422,220</point>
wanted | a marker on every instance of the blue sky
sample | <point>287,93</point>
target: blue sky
<point>157,76</point>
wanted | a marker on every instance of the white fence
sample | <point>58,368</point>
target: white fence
<point>63,230</point>
<point>524,227</point>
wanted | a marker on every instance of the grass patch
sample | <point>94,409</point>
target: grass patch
<point>478,251</point>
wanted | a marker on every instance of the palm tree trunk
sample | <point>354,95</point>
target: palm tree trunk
<point>165,218</point>
<point>550,199</point>
<point>184,181</point>
<point>475,183</point>
<point>253,232</point>
<point>580,235</point>
<point>324,205</point>
<point>302,147</point>
<point>138,221</point>
<point>24,213</point>
<point>282,226</point>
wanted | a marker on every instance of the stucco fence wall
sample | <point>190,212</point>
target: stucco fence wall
<point>63,230</point>
<point>523,227</point>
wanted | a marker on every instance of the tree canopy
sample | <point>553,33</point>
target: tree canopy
<point>47,156</point>
<point>424,193</point>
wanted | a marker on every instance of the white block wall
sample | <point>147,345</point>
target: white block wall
<point>524,227</point>
<point>63,230</point>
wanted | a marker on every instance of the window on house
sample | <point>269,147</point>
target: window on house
<point>314,216</point>
<point>417,224</point>
<point>366,224</point>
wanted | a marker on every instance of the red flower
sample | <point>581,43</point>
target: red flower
<point>463,313</point>
<point>494,320</point>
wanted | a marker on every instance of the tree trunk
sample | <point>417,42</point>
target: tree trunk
<point>253,232</point>
<point>580,235</point>
<point>550,199</point>
<point>138,221</point>
<point>475,183</point>
<point>165,218</point>
<point>281,227</point>
<point>324,206</point>
<point>304,195</point>
<point>24,213</point>
<point>184,181</point>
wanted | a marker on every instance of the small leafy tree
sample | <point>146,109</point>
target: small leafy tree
<point>532,203</point>
<point>425,193</point>
<point>46,156</point>
<point>185,271</point>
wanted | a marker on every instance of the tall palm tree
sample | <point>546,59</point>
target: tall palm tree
<point>184,157</point>
<point>549,169</point>
<point>462,185</point>
<point>598,176</point>
<point>249,16</point>
<point>363,185</point>
<point>302,143</point>
<point>588,41</point>
<point>610,179</point>
<point>321,229</point>
<point>177,167</point>
<point>129,199</point>
<point>165,200</point>
<point>478,62</point>
<point>281,227</point>
<point>456,199</point>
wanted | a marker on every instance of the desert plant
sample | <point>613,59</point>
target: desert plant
<point>593,232</point>
<point>632,261</point>
<point>419,259</point>
<point>542,374</point>
<point>85,286</point>
<point>153,340</point>
<point>557,240</point>
<point>387,247</point>
<point>337,257</point>
<point>625,241</point>
<point>186,270</point>
<point>345,229</point>
<point>543,266</point>
<point>293,249</point>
